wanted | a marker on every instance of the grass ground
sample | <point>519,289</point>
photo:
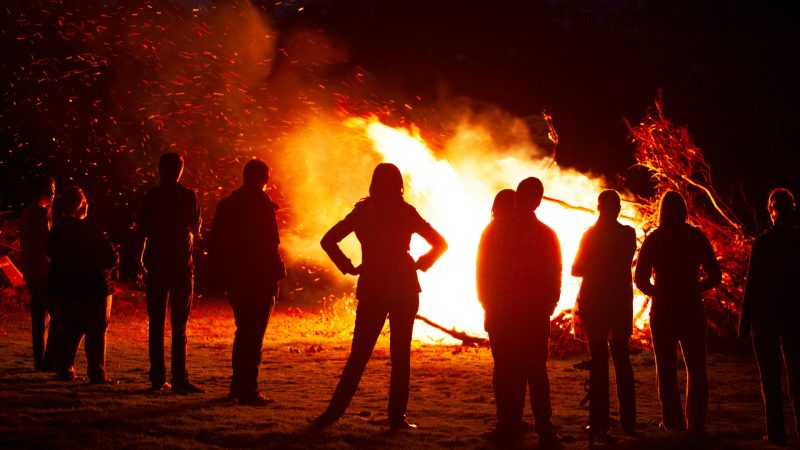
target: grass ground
<point>451,395</point>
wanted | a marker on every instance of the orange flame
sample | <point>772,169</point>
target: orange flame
<point>452,188</point>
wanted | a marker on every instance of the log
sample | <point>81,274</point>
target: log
<point>467,340</point>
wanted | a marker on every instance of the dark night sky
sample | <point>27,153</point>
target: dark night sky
<point>728,70</point>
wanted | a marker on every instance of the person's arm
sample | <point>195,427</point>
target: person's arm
<point>279,266</point>
<point>580,263</point>
<point>752,289</point>
<point>140,240</point>
<point>552,279</point>
<point>330,243</point>
<point>197,221</point>
<point>713,273</point>
<point>437,243</point>
<point>644,268</point>
<point>483,270</point>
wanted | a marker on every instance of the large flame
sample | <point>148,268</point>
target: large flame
<point>454,192</point>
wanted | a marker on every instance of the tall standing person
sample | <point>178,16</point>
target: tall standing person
<point>673,255</point>
<point>770,310</point>
<point>83,265</point>
<point>605,306</point>
<point>520,330</point>
<point>170,219</point>
<point>243,246</point>
<point>33,230</point>
<point>387,286</point>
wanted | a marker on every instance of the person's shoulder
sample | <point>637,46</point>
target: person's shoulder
<point>32,211</point>
<point>187,192</point>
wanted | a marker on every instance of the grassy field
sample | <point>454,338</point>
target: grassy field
<point>304,352</point>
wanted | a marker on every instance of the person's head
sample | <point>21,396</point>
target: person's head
<point>673,209</point>
<point>529,194</point>
<point>72,203</point>
<point>387,182</point>
<point>256,174</point>
<point>608,204</point>
<point>44,189</point>
<point>504,204</point>
<point>170,167</point>
<point>780,204</point>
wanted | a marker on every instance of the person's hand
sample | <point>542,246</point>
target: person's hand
<point>141,273</point>
<point>423,264</point>
<point>744,330</point>
<point>351,270</point>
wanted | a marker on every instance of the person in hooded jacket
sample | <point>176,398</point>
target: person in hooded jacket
<point>387,286</point>
<point>673,255</point>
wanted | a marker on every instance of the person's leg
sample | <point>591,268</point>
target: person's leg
<point>693,344</point>
<point>626,387</point>
<point>538,381</point>
<point>38,307</point>
<point>791,357</point>
<point>251,314</point>
<point>766,345</point>
<point>665,348</point>
<point>598,375</point>
<point>401,322</point>
<point>156,291</point>
<point>71,338</point>
<point>508,378</point>
<point>52,351</point>
<point>180,303</point>
<point>370,318</point>
<point>96,323</point>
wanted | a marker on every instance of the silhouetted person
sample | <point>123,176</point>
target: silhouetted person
<point>770,310</point>
<point>674,254</point>
<point>527,289</point>
<point>387,285</point>
<point>243,246</point>
<point>605,306</point>
<point>169,220</point>
<point>34,227</point>
<point>82,266</point>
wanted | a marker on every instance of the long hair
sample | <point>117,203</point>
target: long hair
<point>387,182</point>
<point>503,206</point>
<point>673,209</point>
<point>71,203</point>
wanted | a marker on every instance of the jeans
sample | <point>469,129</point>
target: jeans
<point>690,333</point>
<point>370,317</point>
<point>251,313</point>
<point>177,289</point>
<point>520,353</point>
<point>626,390</point>
<point>89,317</point>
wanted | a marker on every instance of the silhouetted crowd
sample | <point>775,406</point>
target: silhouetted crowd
<point>69,267</point>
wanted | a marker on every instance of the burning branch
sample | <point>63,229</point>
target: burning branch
<point>466,339</point>
<point>551,134</point>
<point>668,152</point>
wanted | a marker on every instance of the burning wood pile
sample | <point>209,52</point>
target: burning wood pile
<point>674,162</point>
